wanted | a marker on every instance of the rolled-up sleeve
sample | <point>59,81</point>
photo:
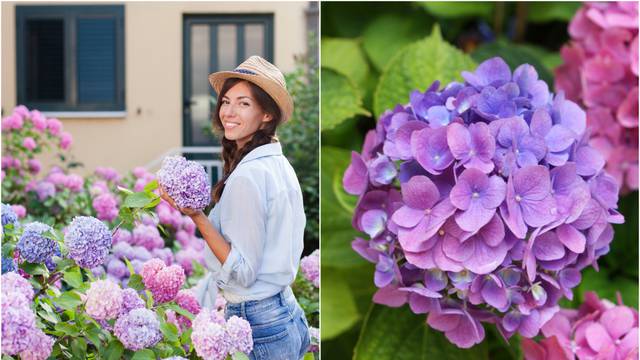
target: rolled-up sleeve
<point>242,222</point>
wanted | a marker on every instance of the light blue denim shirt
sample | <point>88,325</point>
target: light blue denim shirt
<point>260,213</point>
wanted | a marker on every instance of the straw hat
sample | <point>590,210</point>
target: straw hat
<point>262,73</point>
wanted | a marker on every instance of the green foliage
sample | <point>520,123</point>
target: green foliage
<point>416,67</point>
<point>540,12</point>
<point>460,10</point>
<point>345,56</point>
<point>398,333</point>
<point>336,296</point>
<point>341,99</point>
<point>300,141</point>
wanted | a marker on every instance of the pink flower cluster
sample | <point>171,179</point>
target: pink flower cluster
<point>22,118</point>
<point>310,266</point>
<point>599,329</point>
<point>186,299</point>
<point>163,281</point>
<point>600,71</point>
<point>104,300</point>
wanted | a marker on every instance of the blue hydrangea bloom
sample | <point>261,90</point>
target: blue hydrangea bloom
<point>8,265</point>
<point>8,216</point>
<point>88,240</point>
<point>33,245</point>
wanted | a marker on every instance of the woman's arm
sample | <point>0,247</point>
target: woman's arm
<point>218,245</point>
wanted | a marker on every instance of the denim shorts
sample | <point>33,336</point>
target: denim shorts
<point>279,326</point>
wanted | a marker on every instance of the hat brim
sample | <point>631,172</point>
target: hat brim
<point>280,95</point>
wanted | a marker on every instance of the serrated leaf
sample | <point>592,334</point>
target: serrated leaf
<point>137,200</point>
<point>341,99</point>
<point>417,66</point>
<point>68,300</point>
<point>170,331</point>
<point>337,296</point>
<point>144,354</point>
<point>135,282</point>
<point>460,10</point>
<point>540,12</point>
<point>398,333</point>
<point>114,350</point>
<point>387,35</point>
<point>73,277</point>
<point>152,185</point>
<point>345,56</point>
<point>337,231</point>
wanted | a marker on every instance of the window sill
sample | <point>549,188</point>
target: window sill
<point>85,114</point>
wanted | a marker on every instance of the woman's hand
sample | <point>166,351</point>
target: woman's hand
<point>187,211</point>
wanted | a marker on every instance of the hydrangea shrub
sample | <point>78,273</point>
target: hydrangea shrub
<point>482,201</point>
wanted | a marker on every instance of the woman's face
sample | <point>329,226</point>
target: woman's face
<point>241,115</point>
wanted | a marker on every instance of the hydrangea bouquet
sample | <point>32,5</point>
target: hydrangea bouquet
<point>482,201</point>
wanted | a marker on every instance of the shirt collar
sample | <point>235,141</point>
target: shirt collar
<point>271,149</point>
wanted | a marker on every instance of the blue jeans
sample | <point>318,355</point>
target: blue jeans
<point>279,326</point>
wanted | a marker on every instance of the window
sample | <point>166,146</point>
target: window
<point>70,58</point>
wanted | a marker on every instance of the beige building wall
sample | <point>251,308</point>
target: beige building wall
<point>153,77</point>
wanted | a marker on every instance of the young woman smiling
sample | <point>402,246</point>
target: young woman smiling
<point>255,231</point>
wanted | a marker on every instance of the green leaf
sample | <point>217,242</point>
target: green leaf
<point>181,311</point>
<point>132,271</point>
<point>416,67</point>
<point>345,56</point>
<point>153,203</point>
<point>93,334</point>
<point>35,269</point>
<point>144,354</point>
<point>515,55</point>
<point>125,190</point>
<point>152,185</point>
<point>79,347</point>
<point>114,351</point>
<point>73,277</point>
<point>63,264</point>
<point>137,200</point>
<point>539,12</point>
<point>387,35</point>
<point>239,356</point>
<point>68,300</point>
<point>340,101</point>
<point>459,10</point>
<point>185,337</point>
<point>337,231</point>
<point>398,333</point>
<point>135,282</point>
<point>67,328</point>
<point>170,331</point>
<point>336,296</point>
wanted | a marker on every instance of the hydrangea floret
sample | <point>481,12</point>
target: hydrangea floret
<point>482,201</point>
<point>138,329</point>
<point>34,245</point>
<point>186,182</point>
<point>88,241</point>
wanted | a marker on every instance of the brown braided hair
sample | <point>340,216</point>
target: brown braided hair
<point>231,155</point>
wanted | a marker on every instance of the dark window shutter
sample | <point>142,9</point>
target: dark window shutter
<point>45,60</point>
<point>96,59</point>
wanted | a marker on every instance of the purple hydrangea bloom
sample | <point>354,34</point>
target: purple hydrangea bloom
<point>147,236</point>
<point>104,300</point>
<point>501,203</point>
<point>9,216</point>
<point>209,337</point>
<point>45,190</point>
<point>8,265</point>
<point>186,182</point>
<point>310,266</point>
<point>88,240</point>
<point>130,301</point>
<point>34,246</point>
<point>239,331</point>
<point>138,329</point>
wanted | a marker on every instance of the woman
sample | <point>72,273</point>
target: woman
<point>255,231</point>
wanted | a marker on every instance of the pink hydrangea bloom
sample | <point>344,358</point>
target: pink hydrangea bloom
<point>13,121</point>
<point>74,182</point>
<point>65,140</point>
<point>39,121</point>
<point>20,210</point>
<point>34,166</point>
<point>187,256</point>
<point>310,266</point>
<point>147,236</point>
<point>104,300</point>
<point>186,299</point>
<point>29,143</point>
<point>163,281</point>
<point>239,332</point>
<point>209,337</point>
<point>106,206</point>
<point>600,71</point>
<point>54,126</point>
<point>40,346</point>
<point>599,329</point>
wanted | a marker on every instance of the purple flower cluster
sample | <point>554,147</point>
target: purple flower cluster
<point>186,182</point>
<point>163,281</point>
<point>502,202</point>
<point>9,216</point>
<point>104,300</point>
<point>34,246</point>
<point>310,266</point>
<point>138,329</point>
<point>20,335</point>
<point>213,338</point>
<point>106,206</point>
<point>599,329</point>
<point>88,241</point>
<point>130,301</point>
